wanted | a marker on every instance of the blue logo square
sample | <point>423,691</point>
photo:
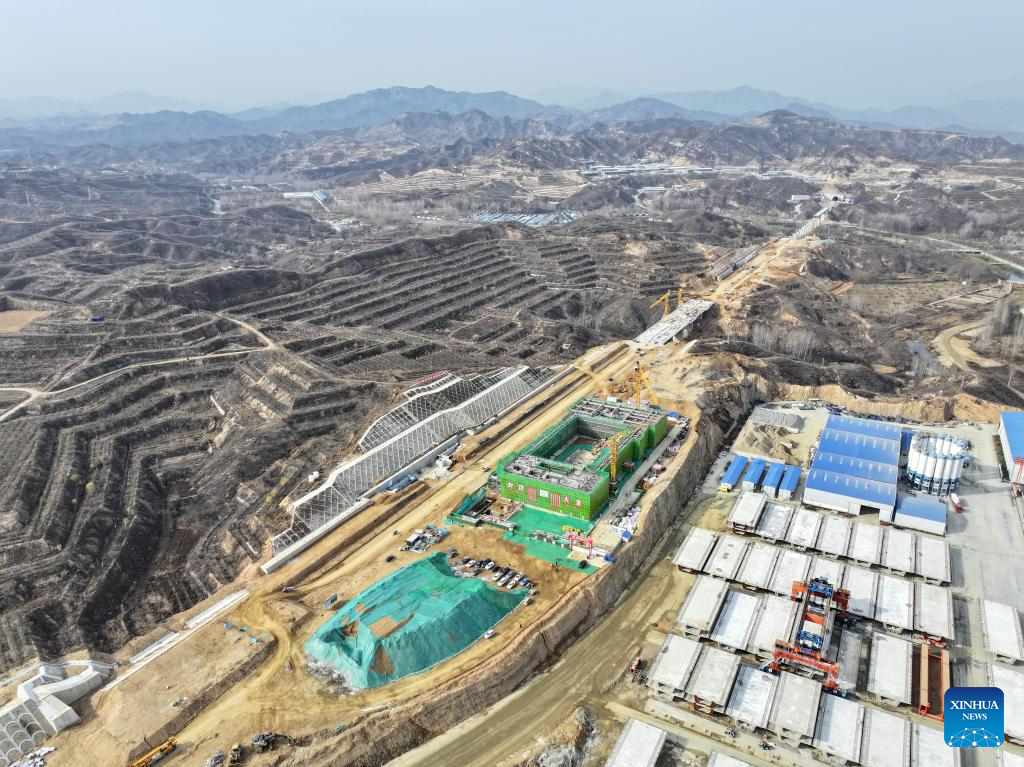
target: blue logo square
<point>973,717</point>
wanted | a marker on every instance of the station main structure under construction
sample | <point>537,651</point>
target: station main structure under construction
<point>570,468</point>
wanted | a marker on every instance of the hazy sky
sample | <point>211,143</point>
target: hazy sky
<point>238,53</point>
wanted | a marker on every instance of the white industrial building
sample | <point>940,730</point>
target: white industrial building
<point>856,467</point>
<point>1011,439</point>
<point>42,705</point>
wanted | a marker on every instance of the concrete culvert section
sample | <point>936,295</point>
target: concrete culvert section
<point>409,621</point>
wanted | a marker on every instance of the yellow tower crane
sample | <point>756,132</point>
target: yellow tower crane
<point>641,382</point>
<point>666,301</point>
<point>613,445</point>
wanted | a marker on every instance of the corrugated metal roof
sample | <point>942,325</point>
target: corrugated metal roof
<point>1013,425</point>
<point>856,467</point>
<point>861,446</point>
<point>774,475</point>
<point>922,508</point>
<point>790,479</point>
<point>854,487</point>
<point>754,471</point>
<point>864,426</point>
<point>735,470</point>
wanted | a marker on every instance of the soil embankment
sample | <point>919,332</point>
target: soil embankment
<point>385,734</point>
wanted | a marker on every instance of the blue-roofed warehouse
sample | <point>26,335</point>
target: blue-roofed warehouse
<point>733,473</point>
<point>921,513</point>
<point>1011,437</point>
<point>772,478</point>
<point>790,479</point>
<point>752,477</point>
<point>856,467</point>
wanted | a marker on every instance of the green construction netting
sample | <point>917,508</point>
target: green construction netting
<point>529,519</point>
<point>415,618</point>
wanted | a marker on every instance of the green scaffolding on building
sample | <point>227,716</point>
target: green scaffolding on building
<point>543,474</point>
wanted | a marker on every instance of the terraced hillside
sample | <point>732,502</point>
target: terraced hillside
<point>157,414</point>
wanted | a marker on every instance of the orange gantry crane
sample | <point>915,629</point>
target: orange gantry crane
<point>821,606</point>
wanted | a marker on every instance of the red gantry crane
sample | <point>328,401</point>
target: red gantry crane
<point>821,605</point>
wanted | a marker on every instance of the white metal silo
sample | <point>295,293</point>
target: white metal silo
<point>931,460</point>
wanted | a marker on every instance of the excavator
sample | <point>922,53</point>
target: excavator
<point>158,753</point>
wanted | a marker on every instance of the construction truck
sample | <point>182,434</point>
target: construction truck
<point>156,754</point>
<point>235,755</point>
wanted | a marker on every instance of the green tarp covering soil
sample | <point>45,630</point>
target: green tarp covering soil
<point>415,618</point>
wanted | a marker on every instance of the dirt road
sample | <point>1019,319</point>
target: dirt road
<point>501,733</point>
<point>280,695</point>
<point>946,349</point>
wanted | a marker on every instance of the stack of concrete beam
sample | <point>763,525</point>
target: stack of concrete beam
<point>673,665</point>
<point>839,729</point>
<point>891,670</point>
<point>834,540</point>
<point>863,587</point>
<point>639,745</point>
<point>851,645</point>
<point>746,512</point>
<point>694,553</point>
<point>702,605</point>
<point>774,522</point>
<point>886,740</point>
<point>752,696</point>
<point>726,557</point>
<point>792,566</point>
<point>710,684</point>
<point>828,569</point>
<point>928,748</point>
<point>758,566</point>
<point>1011,682</point>
<point>933,560</point>
<point>1001,627</point>
<point>899,552</point>
<point>736,621</point>
<point>895,606</point>
<point>933,612</point>
<point>775,622</point>
<point>803,529</point>
<point>795,708</point>
<point>865,544</point>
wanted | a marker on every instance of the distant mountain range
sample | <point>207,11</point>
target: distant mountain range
<point>382,106</point>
